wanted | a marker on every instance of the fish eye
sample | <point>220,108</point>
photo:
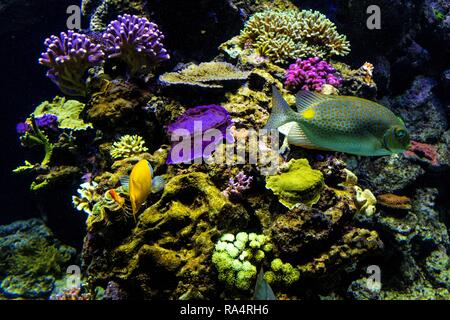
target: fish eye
<point>400,133</point>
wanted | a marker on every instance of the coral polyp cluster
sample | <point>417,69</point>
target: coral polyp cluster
<point>310,74</point>
<point>283,36</point>
<point>136,41</point>
<point>128,146</point>
<point>68,57</point>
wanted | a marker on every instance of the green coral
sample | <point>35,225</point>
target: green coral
<point>297,183</point>
<point>282,36</point>
<point>68,113</point>
<point>282,273</point>
<point>128,146</point>
<point>236,257</point>
<point>205,75</point>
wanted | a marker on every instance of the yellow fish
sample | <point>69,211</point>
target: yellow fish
<point>141,183</point>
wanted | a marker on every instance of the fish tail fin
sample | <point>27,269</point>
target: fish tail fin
<point>281,112</point>
<point>158,184</point>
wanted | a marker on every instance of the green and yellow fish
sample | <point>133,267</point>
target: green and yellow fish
<point>338,123</point>
<point>141,183</point>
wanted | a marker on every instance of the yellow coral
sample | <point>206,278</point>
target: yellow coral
<point>128,146</point>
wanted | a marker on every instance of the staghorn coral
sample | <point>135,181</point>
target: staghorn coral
<point>68,57</point>
<point>206,75</point>
<point>238,185</point>
<point>297,183</point>
<point>282,36</point>
<point>236,258</point>
<point>128,146</point>
<point>135,40</point>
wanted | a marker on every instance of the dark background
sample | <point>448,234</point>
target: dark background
<point>24,25</point>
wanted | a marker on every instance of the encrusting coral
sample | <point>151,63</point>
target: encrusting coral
<point>207,75</point>
<point>283,36</point>
<point>297,183</point>
<point>128,146</point>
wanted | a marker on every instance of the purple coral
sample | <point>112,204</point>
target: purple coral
<point>47,121</point>
<point>237,185</point>
<point>191,128</point>
<point>68,57</point>
<point>135,40</point>
<point>22,128</point>
<point>310,74</point>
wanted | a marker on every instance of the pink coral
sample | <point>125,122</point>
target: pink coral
<point>423,151</point>
<point>311,74</point>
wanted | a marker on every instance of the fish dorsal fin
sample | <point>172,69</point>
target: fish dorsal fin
<point>157,184</point>
<point>281,112</point>
<point>125,182</point>
<point>297,137</point>
<point>305,99</point>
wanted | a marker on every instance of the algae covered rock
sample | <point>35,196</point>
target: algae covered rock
<point>169,252</point>
<point>31,259</point>
<point>297,183</point>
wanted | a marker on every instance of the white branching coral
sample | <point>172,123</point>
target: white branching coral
<point>87,197</point>
<point>128,146</point>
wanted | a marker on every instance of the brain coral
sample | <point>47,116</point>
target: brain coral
<point>282,36</point>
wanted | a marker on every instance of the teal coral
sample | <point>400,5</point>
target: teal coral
<point>236,257</point>
<point>283,36</point>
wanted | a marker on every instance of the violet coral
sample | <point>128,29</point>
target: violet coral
<point>310,74</point>
<point>237,185</point>
<point>135,40</point>
<point>68,57</point>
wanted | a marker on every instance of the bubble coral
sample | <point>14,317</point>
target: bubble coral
<point>310,74</point>
<point>68,57</point>
<point>128,146</point>
<point>235,258</point>
<point>135,40</point>
<point>191,126</point>
<point>282,273</point>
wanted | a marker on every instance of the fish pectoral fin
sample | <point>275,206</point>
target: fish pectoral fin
<point>157,184</point>
<point>297,137</point>
<point>125,182</point>
<point>305,99</point>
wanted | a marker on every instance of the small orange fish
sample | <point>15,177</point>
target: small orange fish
<point>116,197</point>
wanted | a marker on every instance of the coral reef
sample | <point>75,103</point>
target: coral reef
<point>128,146</point>
<point>31,260</point>
<point>68,57</point>
<point>310,74</point>
<point>136,41</point>
<point>282,36</point>
<point>238,185</point>
<point>297,183</point>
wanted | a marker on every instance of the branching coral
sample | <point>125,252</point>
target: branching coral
<point>237,185</point>
<point>128,146</point>
<point>68,57</point>
<point>310,74</point>
<point>206,75</point>
<point>135,40</point>
<point>88,197</point>
<point>236,258</point>
<point>287,35</point>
